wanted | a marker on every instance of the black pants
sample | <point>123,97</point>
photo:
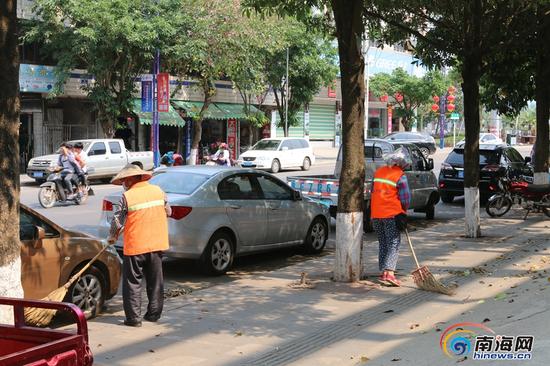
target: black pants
<point>135,267</point>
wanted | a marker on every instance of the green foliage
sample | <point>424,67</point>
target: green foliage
<point>114,40</point>
<point>416,92</point>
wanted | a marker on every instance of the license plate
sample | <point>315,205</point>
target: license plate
<point>37,174</point>
<point>461,173</point>
<point>247,163</point>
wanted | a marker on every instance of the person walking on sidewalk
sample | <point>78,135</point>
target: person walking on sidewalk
<point>390,199</point>
<point>142,215</point>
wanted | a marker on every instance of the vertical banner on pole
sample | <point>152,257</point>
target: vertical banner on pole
<point>273,123</point>
<point>306,123</point>
<point>163,90</point>
<point>147,93</point>
<point>390,119</point>
<point>232,137</point>
<point>188,134</point>
<point>337,125</point>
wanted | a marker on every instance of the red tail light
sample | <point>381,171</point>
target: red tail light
<point>492,187</point>
<point>441,185</point>
<point>179,212</point>
<point>107,205</point>
<point>491,168</point>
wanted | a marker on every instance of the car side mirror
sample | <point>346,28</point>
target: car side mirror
<point>38,234</point>
<point>284,148</point>
<point>528,159</point>
<point>430,164</point>
<point>296,195</point>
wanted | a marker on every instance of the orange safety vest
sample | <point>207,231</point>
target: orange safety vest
<point>385,201</point>
<point>146,227</point>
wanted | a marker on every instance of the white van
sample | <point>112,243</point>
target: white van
<point>278,153</point>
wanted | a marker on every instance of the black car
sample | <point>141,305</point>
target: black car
<point>493,160</point>
<point>425,143</point>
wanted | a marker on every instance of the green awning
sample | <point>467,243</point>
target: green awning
<point>170,118</point>
<point>215,110</point>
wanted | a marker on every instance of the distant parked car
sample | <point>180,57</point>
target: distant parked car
<point>277,154</point>
<point>50,255</point>
<point>493,159</point>
<point>425,143</point>
<point>486,139</point>
<point>106,157</point>
<point>219,213</point>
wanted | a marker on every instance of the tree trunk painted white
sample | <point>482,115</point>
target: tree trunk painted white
<point>349,241</point>
<point>10,280</point>
<point>471,208</point>
<point>541,178</point>
<point>193,157</point>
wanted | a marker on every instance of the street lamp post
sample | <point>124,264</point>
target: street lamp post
<point>286,93</point>
<point>155,124</point>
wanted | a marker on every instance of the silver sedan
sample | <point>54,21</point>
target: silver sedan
<point>219,213</point>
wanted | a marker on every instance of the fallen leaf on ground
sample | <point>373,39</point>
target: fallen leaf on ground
<point>479,270</point>
<point>152,350</point>
<point>238,334</point>
<point>99,345</point>
<point>415,325</point>
<point>486,320</point>
<point>462,359</point>
<point>395,359</point>
<point>500,296</point>
<point>388,311</point>
<point>364,359</point>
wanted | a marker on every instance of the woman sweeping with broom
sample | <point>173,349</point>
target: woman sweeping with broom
<point>390,199</point>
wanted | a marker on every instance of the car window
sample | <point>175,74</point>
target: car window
<point>485,157</point>
<point>295,144</point>
<point>115,147</point>
<point>266,145</point>
<point>273,190</point>
<point>178,183</point>
<point>238,187</point>
<point>27,222</point>
<point>286,144</point>
<point>98,149</point>
<point>513,156</point>
<point>419,163</point>
<point>304,143</point>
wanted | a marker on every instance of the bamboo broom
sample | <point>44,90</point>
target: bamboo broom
<point>43,317</point>
<point>423,278</point>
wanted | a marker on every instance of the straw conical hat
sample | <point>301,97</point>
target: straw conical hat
<point>130,170</point>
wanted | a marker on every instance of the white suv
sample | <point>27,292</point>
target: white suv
<point>278,153</point>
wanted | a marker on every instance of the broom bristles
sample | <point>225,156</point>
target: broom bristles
<point>42,317</point>
<point>426,281</point>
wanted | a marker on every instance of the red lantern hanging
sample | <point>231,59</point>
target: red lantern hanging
<point>384,98</point>
<point>450,107</point>
<point>451,89</point>
<point>398,97</point>
<point>435,107</point>
<point>450,98</point>
<point>436,98</point>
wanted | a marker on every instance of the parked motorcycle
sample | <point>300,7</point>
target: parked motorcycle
<point>53,190</point>
<point>517,191</point>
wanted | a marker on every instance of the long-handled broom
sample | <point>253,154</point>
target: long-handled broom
<point>423,278</point>
<point>43,317</point>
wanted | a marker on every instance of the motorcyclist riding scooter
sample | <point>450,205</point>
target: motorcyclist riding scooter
<point>62,182</point>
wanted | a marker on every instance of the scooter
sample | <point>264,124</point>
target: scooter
<point>53,190</point>
<point>517,191</point>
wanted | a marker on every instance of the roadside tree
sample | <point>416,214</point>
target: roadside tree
<point>10,260</point>
<point>408,92</point>
<point>114,40</point>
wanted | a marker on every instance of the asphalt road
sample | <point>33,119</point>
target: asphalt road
<point>182,275</point>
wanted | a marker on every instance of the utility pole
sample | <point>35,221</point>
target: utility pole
<point>286,93</point>
<point>155,125</point>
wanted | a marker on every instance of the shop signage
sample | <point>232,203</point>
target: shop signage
<point>147,93</point>
<point>36,78</point>
<point>163,92</point>
<point>232,137</point>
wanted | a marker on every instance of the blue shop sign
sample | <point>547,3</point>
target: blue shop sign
<point>36,78</point>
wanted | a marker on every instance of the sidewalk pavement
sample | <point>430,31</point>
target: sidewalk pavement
<point>257,319</point>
